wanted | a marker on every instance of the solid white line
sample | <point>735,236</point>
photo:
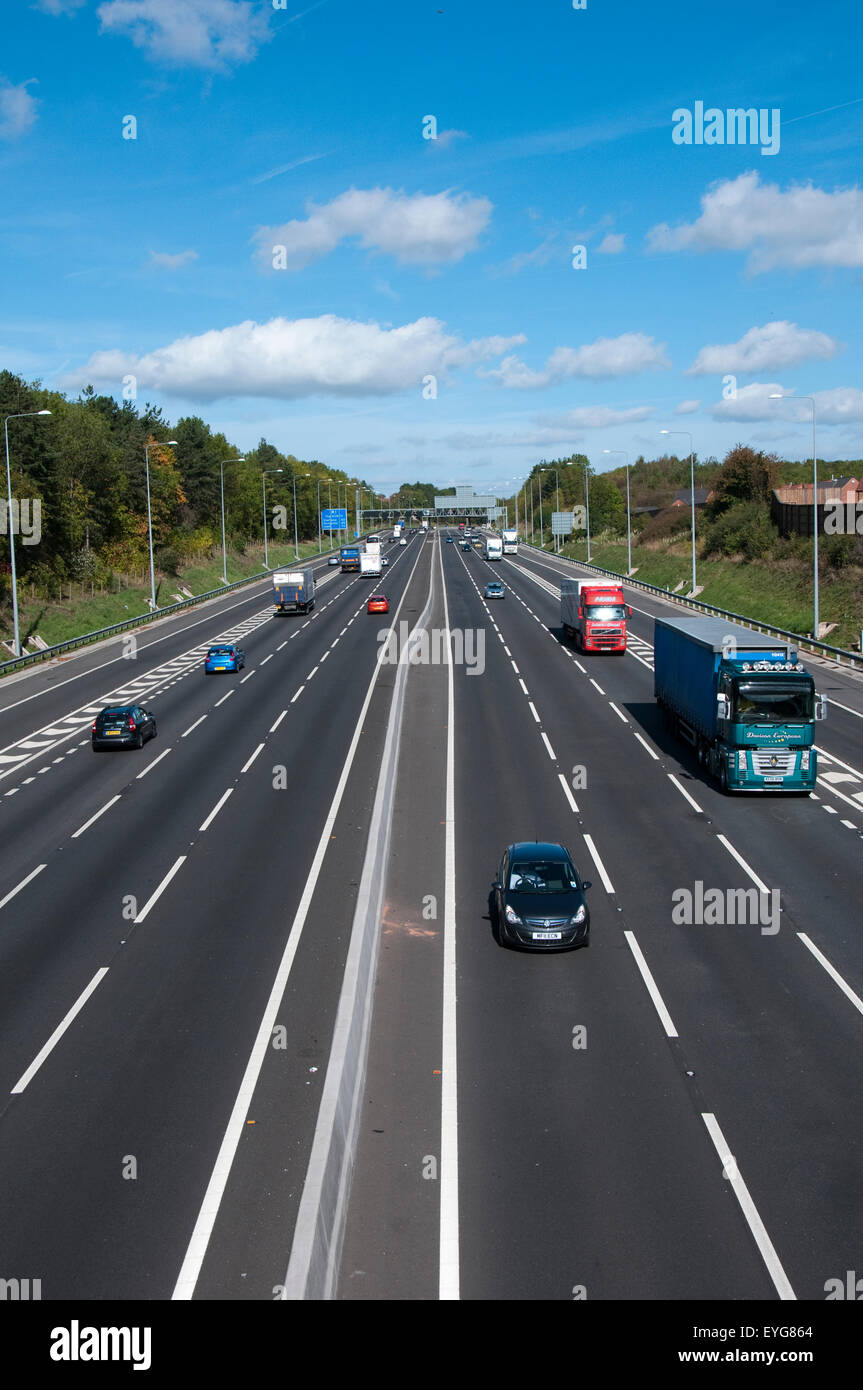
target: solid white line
<point>449,1277</point>
<point>762,887</point>
<point>597,685</point>
<point>87,824</point>
<point>523,686</point>
<point>645,744</point>
<point>532,708</point>
<point>195,725</point>
<point>831,971</point>
<point>247,678</point>
<point>618,712</point>
<point>311,673</point>
<point>58,1033</point>
<point>550,750</point>
<point>683,792</point>
<point>150,766</point>
<point>324,657</point>
<point>252,758</point>
<point>600,867</point>
<point>747,1206</point>
<point>850,824</point>
<point>268,658</point>
<point>160,890</point>
<point>222,701</point>
<point>298,694</point>
<point>658,1002</point>
<point>846,708</point>
<point>282,644</point>
<point>567,793</point>
<point>278,721</point>
<point>23,884</point>
<point>582,669</point>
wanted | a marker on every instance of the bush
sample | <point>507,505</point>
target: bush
<point>168,559</point>
<point>744,529</point>
<point>837,552</point>
<point>665,524</point>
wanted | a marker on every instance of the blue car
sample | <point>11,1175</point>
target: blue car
<point>449,540</point>
<point>227,658</point>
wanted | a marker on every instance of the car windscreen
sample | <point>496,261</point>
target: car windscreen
<point>542,876</point>
<point>221,651</point>
<point>772,702</point>
<point>605,612</point>
<point>114,714</point>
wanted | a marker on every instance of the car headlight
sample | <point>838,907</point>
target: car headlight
<point>579,917</point>
<point>512,916</point>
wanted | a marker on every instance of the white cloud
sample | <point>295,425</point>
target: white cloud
<point>288,359</point>
<point>803,226</point>
<point>612,244</point>
<point>190,33</point>
<point>60,6</point>
<point>418,229</point>
<point>446,137</point>
<point>598,417</point>
<point>496,439</point>
<point>840,406</point>
<point>606,357</point>
<point>775,345</point>
<point>687,407</point>
<point>17,109</point>
<point>163,260</point>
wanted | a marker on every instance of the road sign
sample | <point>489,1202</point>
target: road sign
<point>561,523</point>
<point>334,519</point>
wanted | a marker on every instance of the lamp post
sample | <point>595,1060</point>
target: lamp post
<point>691,491</point>
<point>628,526</point>
<point>587,507</point>
<point>168,443</point>
<point>264,473</point>
<point>24,415</point>
<point>780,396</point>
<point>541,537</point>
<point>240,459</point>
<point>294,481</point>
<point>320,527</point>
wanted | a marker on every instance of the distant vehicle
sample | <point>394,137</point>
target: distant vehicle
<point>384,561</point>
<point>224,659</point>
<point>510,542</point>
<point>370,565</point>
<point>123,726</point>
<point>372,540</point>
<point>373,546</point>
<point>397,533</point>
<point>294,591</point>
<point>402,541</point>
<point>449,540</point>
<point>466,545</point>
<point>378,603</point>
<point>334,560</point>
<point>493,548</point>
<point>594,614</point>
<point>425,525</point>
<point>349,559</point>
<point>742,700</point>
<point>461,526</point>
<point>539,898</point>
<point>495,590</point>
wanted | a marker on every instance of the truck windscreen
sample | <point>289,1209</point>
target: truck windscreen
<point>605,612</point>
<point>772,702</point>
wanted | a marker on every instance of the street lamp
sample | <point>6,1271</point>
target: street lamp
<point>294,480</point>
<point>320,527</point>
<point>25,415</point>
<point>780,396</point>
<point>691,491</point>
<point>628,526</point>
<point>587,507</point>
<point>541,537</point>
<point>264,473</point>
<point>164,444</point>
<point>241,458</point>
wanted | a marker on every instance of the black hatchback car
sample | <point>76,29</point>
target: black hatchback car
<point>540,899</point>
<point>128,726</point>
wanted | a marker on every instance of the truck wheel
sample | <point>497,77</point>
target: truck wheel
<point>723,778</point>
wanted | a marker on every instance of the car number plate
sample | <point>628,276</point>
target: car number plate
<point>218,668</point>
<point>773,779</point>
<point>547,935</point>
<point>113,733</point>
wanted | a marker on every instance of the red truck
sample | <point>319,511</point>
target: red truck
<point>594,614</point>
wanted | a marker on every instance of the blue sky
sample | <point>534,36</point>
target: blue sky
<point>407,259</point>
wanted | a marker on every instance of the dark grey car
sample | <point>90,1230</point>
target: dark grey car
<point>539,898</point>
<point>125,726</point>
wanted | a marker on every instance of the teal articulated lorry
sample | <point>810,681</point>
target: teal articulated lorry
<point>742,700</point>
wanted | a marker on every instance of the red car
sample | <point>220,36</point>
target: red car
<point>378,603</point>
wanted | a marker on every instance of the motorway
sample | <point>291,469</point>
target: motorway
<point>672,1113</point>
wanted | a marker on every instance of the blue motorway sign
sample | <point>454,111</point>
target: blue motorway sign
<point>334,519</point>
